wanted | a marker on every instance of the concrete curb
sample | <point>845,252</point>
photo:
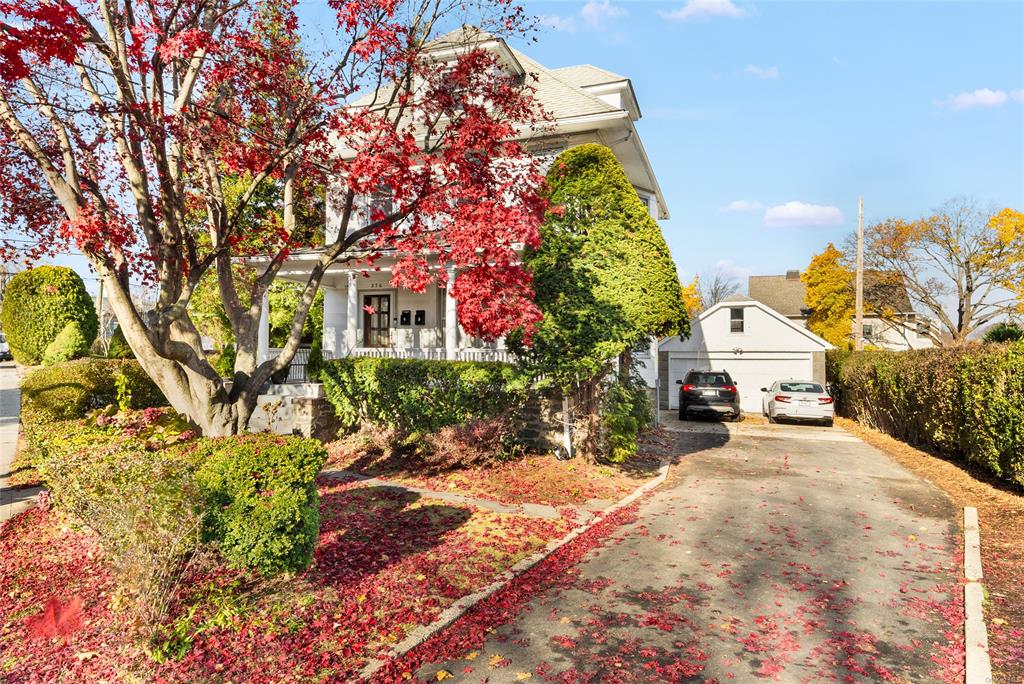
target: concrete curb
<point>978,664</point>
<point>462,606</point>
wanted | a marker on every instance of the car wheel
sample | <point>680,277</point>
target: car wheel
<point>682,415</point>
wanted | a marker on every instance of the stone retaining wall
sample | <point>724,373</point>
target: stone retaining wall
<point>541,421</point>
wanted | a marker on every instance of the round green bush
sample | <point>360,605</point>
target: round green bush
<point>262,499</point>
<point>70,390</point>
<point>69,344</point>
<point>39,304</point>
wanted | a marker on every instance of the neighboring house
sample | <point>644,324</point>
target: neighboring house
<point>890,321</point>
<point>586,104</point>
<point>754,343</point>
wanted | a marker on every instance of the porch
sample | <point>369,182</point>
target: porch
<point>364,315</point>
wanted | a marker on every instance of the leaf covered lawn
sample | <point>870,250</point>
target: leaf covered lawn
<point>386,561</point>
<point>531,479</point>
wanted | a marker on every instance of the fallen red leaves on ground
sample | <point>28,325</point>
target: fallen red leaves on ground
<point>532,479</point>
<point>387,560</point>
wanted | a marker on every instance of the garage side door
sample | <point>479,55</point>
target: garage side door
<point>678,367</point>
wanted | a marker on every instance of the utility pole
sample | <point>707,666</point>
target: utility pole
<point>858,333</point>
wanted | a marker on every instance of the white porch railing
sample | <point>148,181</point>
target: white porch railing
<point>439,354</point>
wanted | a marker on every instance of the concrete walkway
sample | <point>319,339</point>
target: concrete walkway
<point>782,558</point>
<point>12,500</point>
<point>532,510</point>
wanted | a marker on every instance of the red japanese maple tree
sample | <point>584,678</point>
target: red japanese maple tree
<point>143,132</point>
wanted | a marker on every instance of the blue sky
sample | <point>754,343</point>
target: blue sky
<point>759,105</point>
<point>811,102</point>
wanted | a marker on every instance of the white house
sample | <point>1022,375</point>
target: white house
<point>897,329</point>
<point>754,343</point>
<point>586,104</point>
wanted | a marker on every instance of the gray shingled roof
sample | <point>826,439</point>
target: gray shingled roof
<point>583,75</point>
<point>786,295</point>
<point>558,91</point>
<point>559,96</point>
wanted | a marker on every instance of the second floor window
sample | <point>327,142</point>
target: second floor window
<point>736,320</point>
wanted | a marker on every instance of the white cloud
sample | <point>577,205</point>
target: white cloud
<point>982,97</point>
<point>560,24</point>
<point>743,205</point>
<point>1017,95</point>
<point>595,13</point>
<point>731,268</point>
<point>705,9</point>
<point>763,73</point>
<point>792,214</point>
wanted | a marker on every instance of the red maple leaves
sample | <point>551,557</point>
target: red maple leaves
<point>57,619</point>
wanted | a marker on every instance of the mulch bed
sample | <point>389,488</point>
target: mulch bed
<point>1001,516</point>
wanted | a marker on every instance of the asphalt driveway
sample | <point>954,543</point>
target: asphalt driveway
<point>773,552</point>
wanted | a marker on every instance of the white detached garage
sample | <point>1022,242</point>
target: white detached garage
<point>754,343</point>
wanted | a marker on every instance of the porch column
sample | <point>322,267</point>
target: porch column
<point>451,321</point>
<point>352,310</point>
<point>263,331</point>
<point>334,321</point>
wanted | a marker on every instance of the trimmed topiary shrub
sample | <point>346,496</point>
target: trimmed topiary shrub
<point>118,347</point>
<point>71,390</point>
<point>69,344</point>
<point>419,395</point>
<point>966,403</point>
<point>39,304</point>
<point>261,498</point>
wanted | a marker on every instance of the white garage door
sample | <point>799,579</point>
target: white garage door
<point>749,373</point>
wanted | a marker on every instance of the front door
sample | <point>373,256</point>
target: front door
<point>377,320</point>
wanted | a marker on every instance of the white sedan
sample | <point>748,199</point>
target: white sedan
<point>797,400</point>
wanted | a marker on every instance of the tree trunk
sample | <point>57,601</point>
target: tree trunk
<point>588,419</point>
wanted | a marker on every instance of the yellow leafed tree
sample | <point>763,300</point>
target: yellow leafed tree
<point>1009,227</point>
<point>690,295</point>
<point>829,297</point>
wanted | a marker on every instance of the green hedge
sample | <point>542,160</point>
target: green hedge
<point>70,390</point>
<point>262,499</point>
<point>418,395</point>
<point>253,496</point>
<point>967,403</point>
<point>38,304</point>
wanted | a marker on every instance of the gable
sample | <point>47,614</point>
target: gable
<point>764,330</point>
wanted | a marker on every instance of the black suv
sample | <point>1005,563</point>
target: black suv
<point>708,392</point>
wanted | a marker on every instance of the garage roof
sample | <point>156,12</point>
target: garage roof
<point>669,343</point>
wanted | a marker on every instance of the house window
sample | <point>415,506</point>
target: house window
<point>736,320</point>
<point>868,330</point>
